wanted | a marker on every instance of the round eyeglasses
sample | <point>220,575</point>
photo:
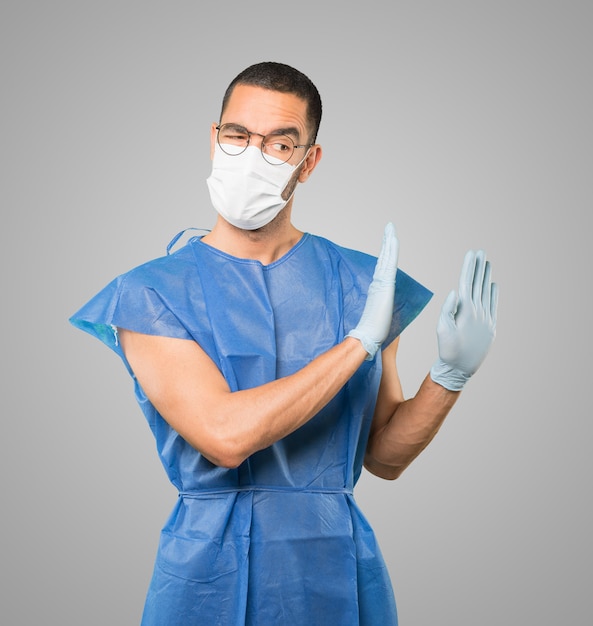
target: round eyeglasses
<point>276,148</point>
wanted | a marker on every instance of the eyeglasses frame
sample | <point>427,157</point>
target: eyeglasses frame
<point>261,148</point>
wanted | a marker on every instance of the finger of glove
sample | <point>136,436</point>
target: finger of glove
<point>386,267</point>
<point>485,289</point>
<point>494,303</point>
<point>489,299</point>
<point>479,279</point>
<point>466,278</point>
<point>449,306</point>
<point>448,310</point>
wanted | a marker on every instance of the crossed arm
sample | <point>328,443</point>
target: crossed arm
<point>191,394</point>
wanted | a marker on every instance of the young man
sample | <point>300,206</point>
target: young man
<point>264,361</point>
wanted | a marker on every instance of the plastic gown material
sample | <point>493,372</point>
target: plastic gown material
<point>279,539</point>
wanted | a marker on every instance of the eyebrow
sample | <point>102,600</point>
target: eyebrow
<point>288,130</point>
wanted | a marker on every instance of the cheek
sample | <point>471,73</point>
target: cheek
<point>291,184</point>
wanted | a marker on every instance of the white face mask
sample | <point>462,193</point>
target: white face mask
<point>245,189</point>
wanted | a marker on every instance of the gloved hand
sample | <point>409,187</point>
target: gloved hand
<point>375,322</point>
<point>467,324</point>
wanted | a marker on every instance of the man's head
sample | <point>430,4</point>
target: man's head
<point>263,144</point>
<point>284,79</point>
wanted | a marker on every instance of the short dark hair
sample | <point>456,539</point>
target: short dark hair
<point>283,78</point>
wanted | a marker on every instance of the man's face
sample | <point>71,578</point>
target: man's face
<point>264,111</point>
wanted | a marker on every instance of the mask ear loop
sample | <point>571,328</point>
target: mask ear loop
<point>296,167</point>
<point>303,159</point>
<point>180,234</point>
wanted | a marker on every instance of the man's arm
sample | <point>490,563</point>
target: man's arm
<point>401,429</point>
<point>189,391</point>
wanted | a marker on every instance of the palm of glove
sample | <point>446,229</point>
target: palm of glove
<point>467,324</point>
<point>374,324</point>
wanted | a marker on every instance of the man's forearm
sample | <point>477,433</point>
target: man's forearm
<point>409,430</point>
<point>276,409</point>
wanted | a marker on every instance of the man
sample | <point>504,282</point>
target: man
<point>264,361</point>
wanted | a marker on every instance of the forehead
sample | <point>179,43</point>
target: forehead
<point>263,110</point>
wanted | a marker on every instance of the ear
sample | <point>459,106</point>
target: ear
<point>310,163</point>
<point>213,133</point>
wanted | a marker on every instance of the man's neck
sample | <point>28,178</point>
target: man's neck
<point>266,244</point>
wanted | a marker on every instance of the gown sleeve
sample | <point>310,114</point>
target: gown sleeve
<point>410,299</point>
<point>136,301</point>
<point>356,273</point>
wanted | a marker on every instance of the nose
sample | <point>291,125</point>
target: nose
<point>256,135</point>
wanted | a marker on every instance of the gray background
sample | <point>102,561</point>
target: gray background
<point>466,123</point>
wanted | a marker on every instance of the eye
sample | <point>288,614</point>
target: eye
<point>278,144</point>
<point>234,134</point>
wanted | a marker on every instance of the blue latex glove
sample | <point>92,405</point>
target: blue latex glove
<point>375,322</point>
<point>467,324</point>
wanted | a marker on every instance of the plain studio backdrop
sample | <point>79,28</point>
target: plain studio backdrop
<point>467,123</point>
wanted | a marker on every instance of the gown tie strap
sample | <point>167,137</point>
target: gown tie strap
<point>200,493</point>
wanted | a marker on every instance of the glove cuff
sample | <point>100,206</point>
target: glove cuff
<point>370,346</point>
<point>447,376</point>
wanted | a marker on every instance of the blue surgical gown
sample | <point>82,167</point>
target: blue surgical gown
<point>278,540</point>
